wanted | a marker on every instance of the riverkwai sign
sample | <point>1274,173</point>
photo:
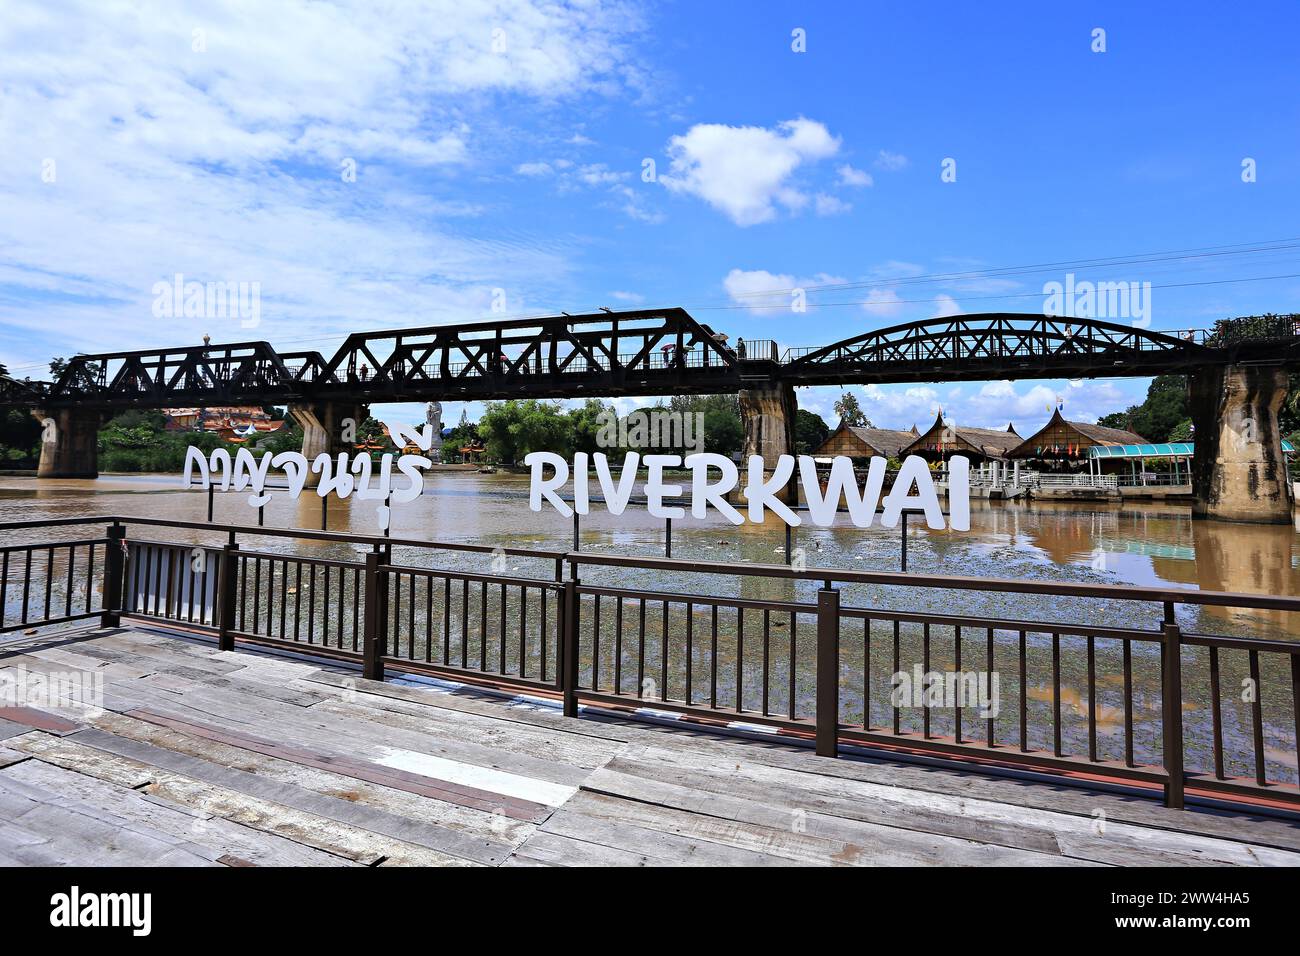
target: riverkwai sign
<point>761,490</point>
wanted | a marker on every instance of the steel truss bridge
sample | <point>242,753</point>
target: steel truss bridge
<point>642,352</point>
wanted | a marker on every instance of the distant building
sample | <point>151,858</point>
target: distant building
<point>234,423</point>
<point>1062,444</point>
<point>940,442</point>
<point>857,441</point>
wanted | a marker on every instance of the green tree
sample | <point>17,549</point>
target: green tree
<point>287,438</point>
<point>723,432</point>
<point>850,411</point>
<point>511,429</point>
<point>1163,410</point>
<point>584,424</point>
<point>810,430</point>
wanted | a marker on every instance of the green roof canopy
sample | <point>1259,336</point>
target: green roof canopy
<point>1178,449</point>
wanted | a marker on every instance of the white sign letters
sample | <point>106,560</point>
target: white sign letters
<point>913,488</point>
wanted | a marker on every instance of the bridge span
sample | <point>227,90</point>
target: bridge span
<point>1237,376</point>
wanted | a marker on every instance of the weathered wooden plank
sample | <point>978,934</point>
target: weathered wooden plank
<point>332,808</point>
<point>785,834</point>
<point>482,703</point>
<point>88,836</point>
<point>858,839</point>
<point>1062,798</point>
<point>976,819</point>
<point>553,849</point>
<point>343,839</point>
<point>11,728</point>
<point>468,820</point>
<point>415,781</point>
<point>581,820</point>
<point>500,735</point>
<point>39,719</point>
<point>368,739</point>
<point>202,832</point>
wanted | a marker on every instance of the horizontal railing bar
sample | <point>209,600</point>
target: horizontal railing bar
<point>79,543</point>
<point>704,600</point>
<point>472,576</point>
<point>1002,624</point>
<point>449,672</point>
<point>298,559</point>
<point>46,621</point>
<point>1263,645</point>
<point>301,533</point>
<point>1008,753</point>
<point>677,705</point>
<point>324,650</point>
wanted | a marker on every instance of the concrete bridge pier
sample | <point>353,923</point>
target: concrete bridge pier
<point>69,442</point>
<point>328,428</point>
<point>767,413</point>
<point>1238,471</point>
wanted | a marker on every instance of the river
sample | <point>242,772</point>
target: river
<point>1138,543</point>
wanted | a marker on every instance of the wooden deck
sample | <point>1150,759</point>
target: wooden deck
<point>209,758</point>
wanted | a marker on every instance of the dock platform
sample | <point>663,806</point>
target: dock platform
<point>203,757</point>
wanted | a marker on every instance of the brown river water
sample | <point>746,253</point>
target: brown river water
<point>1138,543</point>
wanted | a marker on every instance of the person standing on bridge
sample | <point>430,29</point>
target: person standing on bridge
<point>740,346</point>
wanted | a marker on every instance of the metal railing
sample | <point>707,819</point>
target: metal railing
<point>33,575</point>
<point>1035,479</point>
<point>1126,703</point>
<point>1155,479</point>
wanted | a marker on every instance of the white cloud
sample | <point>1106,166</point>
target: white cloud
<point>745,171</point>
<point>883,302</point>
<point>767,293</point>
<point>534,169</point>
<point>891,162</point>
<point>1029,404</point>
<point>598,174</point>
<point>827,205</point>
<point>632,298</point>
<point>854,177</point>
<point>223,162</point>
<point>900,407</point>
<point>945,305</point>
<point>991,405</point>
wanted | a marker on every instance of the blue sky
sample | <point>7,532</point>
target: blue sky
<point>501,146</point>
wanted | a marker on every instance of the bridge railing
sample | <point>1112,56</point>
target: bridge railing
<point>1035,479</point>
<point>842,658</point>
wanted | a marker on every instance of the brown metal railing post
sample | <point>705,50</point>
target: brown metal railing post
<point>828,671</point>
<point>1171,695</point>
<point>114,563</point>
<point>372,666</point>
<point>568,663</point>
<point>227,591</point>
